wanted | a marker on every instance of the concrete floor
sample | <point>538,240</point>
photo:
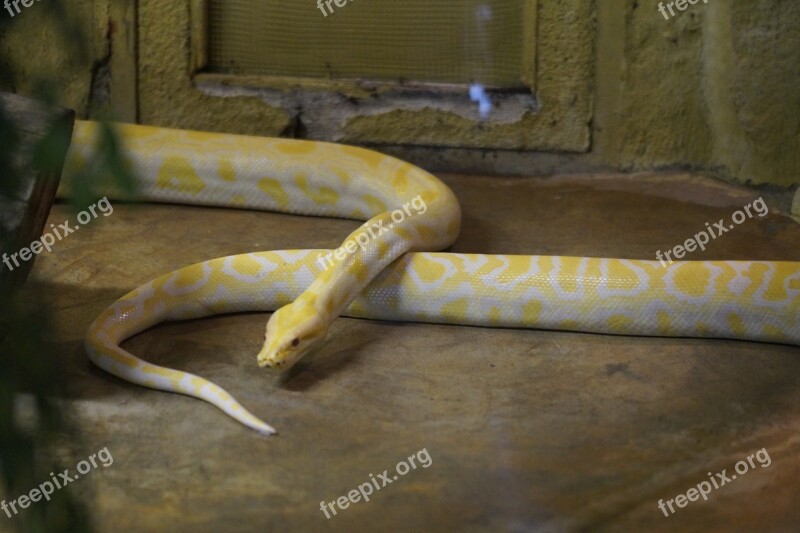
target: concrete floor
<point>526,430</point>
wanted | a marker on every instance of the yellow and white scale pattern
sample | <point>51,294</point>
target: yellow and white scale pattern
<point>749,300</point>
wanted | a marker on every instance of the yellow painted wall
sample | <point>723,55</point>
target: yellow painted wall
<point>717,87</point>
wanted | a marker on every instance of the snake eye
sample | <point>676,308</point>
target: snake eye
<point>295,342</point>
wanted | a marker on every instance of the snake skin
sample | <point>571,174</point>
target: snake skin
<point>379,278</point>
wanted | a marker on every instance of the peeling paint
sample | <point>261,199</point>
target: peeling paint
<point>325,114</point>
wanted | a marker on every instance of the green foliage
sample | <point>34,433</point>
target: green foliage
<point>31,372</point>
<point>9,140</point>
<point>107,171</point>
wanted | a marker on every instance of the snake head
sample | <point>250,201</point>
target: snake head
<point>292,331</point>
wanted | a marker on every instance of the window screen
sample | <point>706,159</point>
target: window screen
<point>433,41</point>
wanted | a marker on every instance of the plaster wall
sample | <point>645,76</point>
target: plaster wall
<point>617,87</point>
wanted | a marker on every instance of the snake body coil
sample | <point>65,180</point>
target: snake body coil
<point>377,277</point>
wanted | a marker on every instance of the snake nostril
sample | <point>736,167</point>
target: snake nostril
<point>295,342</point>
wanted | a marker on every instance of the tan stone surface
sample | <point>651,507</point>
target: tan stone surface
<point>527,430</point>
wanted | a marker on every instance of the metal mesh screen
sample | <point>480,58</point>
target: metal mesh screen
<point>445,41</point>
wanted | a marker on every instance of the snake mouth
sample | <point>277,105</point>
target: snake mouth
<point>277,361</point>
<point>269,364</point>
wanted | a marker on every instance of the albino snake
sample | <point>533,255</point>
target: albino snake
<point>408,210</point>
